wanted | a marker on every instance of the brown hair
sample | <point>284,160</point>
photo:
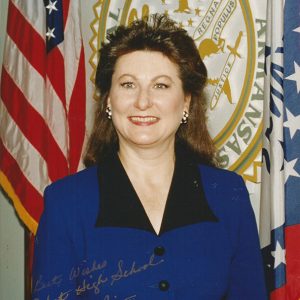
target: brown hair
<point>158,33</point>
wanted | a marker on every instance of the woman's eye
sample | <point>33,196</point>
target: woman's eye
<point>127,85</point>
<point>161,86</point>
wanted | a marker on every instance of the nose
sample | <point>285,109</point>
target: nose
<point>143,100</point>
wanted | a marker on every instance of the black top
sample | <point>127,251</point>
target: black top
<point>120,205</point>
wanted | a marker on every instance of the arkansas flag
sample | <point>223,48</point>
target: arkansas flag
<point>280,201</point>
<point>42,107</point>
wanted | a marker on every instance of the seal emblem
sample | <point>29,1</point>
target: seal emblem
<point>228,39</point>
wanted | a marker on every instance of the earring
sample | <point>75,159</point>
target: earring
<point>108,112</point>
<point>185,116</point>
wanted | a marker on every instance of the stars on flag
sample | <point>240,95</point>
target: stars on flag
<point>274,256</point>
<point>297,29</point>
<point>51,6</point>
<point>295,76</point>
<point>279,255</point>
<point>290,169</point>
<point>54,23</point>
<point>280,206</point>
<point>50,33</point>
<point>292,123</point>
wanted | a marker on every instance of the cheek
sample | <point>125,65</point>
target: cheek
<point>118,104</point>
<point>122,100</point>
<point>175,107</point>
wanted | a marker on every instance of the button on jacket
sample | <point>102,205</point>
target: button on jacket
<point>95,240</point>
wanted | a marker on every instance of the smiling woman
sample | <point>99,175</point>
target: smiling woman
<point>147,103</point>
<point>160,36</point>
<point>152,217</point>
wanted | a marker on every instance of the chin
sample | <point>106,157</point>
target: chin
<point>144,143</point>
<point>142,139</point>
<point>150,143</point>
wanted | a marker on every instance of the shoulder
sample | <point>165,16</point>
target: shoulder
<point>222,182</point>
<point>225,190</point>
<point>73,199</point>
<point>218,173</point>
<point>80,180</point>
<point>228,198</point>
<point>73,189</point>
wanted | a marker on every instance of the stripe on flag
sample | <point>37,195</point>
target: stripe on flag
<point>43,101</point>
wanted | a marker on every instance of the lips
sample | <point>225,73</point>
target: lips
<point>143,120</point>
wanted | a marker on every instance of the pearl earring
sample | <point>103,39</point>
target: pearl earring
<point>185,116</point>
<point>108,112</point>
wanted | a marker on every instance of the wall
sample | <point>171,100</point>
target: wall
<point>11,231</point>
<point>11,252</point>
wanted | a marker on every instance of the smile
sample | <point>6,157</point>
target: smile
<point>143,121</point>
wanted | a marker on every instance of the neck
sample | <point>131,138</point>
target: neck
<point>148,161</point>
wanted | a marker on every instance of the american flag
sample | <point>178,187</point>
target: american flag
<point>43,101</point>
<point>280,202</point>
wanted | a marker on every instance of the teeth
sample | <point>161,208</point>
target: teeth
<point>143,119</point>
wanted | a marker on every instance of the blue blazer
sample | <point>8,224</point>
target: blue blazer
<point>216,257</point>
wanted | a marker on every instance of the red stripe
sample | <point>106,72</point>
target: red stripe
<point>76,117</point>
<point>31,199</point>
<point>33,127</point>
<point>66,5</point>
<point>279,294</point>
<point>292,238</point>
<point>30,43</point>
<point>291,290</point>
<point>56,73</point>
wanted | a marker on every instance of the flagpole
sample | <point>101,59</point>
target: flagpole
<point>28,263</point>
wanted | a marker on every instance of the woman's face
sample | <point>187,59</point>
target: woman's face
<point>146,99</point>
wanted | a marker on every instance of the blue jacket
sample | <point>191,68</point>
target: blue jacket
<point>80,253</point>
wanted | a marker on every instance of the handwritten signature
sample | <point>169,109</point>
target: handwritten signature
<point>121,274</point>
<point>123,271</point>
<point>65,295</point>
<point>85,271</point>
<point>95,286</point>
<point>41,284</point>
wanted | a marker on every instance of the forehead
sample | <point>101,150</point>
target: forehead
<point>152,63</point>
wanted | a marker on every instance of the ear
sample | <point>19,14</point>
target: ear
<point>108,101</point>
<point>187,101</point>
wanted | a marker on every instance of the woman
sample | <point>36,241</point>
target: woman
<point>151,218</point>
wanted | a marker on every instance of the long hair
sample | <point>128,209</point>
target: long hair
<point>157,33</point>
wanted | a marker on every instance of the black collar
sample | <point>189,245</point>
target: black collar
<point>120,206</point>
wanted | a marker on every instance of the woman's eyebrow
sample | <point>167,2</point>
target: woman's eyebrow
<point>163,76</point>
<point>126,75</point>
<point>152,80</point>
